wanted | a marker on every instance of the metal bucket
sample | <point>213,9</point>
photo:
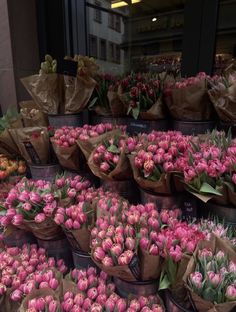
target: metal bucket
<point>127,189</point>
<point>173,306</point>
<point>225,213</point>
<point>137,289</point>
<point>44,172</point>
<point>82,260</point>
<point>72,241</point>
<point>17,238</point>
<point>58,121</point>
<point>189,206</point>
<point>193,127</point>
<point>225,126</point>
<point>161,201</point>
<point>95,119</point>
<point>138,126</point>
<point>58,249</point>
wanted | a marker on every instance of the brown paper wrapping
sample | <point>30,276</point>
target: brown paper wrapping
<point>232,196</point>
<point>121,172</point>
<point>6,304</point>
<point>224,102</point>
<point>78,91</point>
<point>68,285</point>
<point>89,145</point>
<point>150,266</point>
<point>37,293</point>
<point>119,271</point>
<point>45,90</point>
<point>157,111</point>
<point>191,103</point>
<point>46,230</point>
<point>116,104</point>
<point>82,236</point>
<point>221,200</point>
<point>39,120</point>
<point>202,305</point>
<point>162,186</point>
<point>7,143</point>
<point>40,144</point>
<point>68,157</point>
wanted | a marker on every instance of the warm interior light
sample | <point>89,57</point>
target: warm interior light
<point>154,19</point>
<point>118,4</point>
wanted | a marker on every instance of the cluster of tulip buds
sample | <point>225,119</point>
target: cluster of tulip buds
<point>43,304</point>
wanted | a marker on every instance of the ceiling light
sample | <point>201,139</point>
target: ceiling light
<point>119,4</point>
<point>154,19</point>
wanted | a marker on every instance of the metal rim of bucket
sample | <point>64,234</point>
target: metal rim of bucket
<point>43,166</point>
<point>137,283</point>
<point>205,122</point>
<point>81,254</point>
<point>170,297</point>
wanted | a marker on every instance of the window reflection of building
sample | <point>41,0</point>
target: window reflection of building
<point>105,35</point>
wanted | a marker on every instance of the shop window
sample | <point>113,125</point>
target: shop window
<point>98,13</point>
<point>93,50</point>
<point>117,59</point>
<point>103,50</point>
<point>111,50</point>
<point>114,22</point>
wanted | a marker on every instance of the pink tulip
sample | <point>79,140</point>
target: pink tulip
<point>79,299</point>
<point>121,305</point>
<point>87,304</point>
<point>68,295</point>
<point>143,301</point>
<point>107,261</point>
<point>53,306</point>
<point>196,279</point>
<point>48,299</point>
<point>134,304</point>
<point>40,217</point>
<point>92,293</point>
<point>214,278</point>
<point>83,284</point>
<point>130,243</point>
<point>104,167</point>
<point>101,289</point>
<point>144,243</point>
<point>154,250</point>
<point>68,304</point>
<point>43,285</point>
<point>16,295</point>
<point>231,293</point>
<point>98,254</point>
<point>53,283</point>
<point>17,220</point>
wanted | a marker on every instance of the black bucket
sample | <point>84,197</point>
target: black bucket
<point>224,213</point>
<point>45,172</point>
<point>17,238</point>
<point>139,126</point>
<point>58,249</point>
<point>173,306</point>
<point>226,126</point>
<point>82,260</point>
<point>73,120</point>
<point>136,289</point>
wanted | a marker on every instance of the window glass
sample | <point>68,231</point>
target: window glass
<point>137,35</point>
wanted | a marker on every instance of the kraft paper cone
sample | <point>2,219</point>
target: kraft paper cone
<point>202,305</point>
<point>121,172</point>
<point>46,230</point>
<point>68,285</point>
<point>78,91</point>
<point>69,157</point>
<point>221,200</point>
<point>8,144</point>
<point>89,145</point>
<point>122,272</point>
<point>150,266</point>
<point>6,304</point>
<point>157,111</point>
<point>34,149</point>
<point>162,186</point>
<point>191,103</point>
<point>224,102</point>
<point>82,236</point>
<point>45,91</point>
<point>116,104</point>
<point>37,293</point>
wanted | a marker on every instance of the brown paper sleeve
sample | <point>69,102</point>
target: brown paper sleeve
<point>88,146</point>
<point>68,157</point>
<point>157,111</point>
<point>78,91</point>
<point>122,272</point>
<point>162,186</point>
<point>191,103</point>
<point>121,172</point>
<point>45,91</point>
<point>116,104</point>
<point>150,266</point>
<point>225,103</point>
<point>82,236</point>
<point>36,294</point>
<point>224,199</point>
<point>46,230</point>
<point>8,143</point>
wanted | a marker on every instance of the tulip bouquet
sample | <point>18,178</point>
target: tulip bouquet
<point>153,165</point>
<point>188,99</point>
<point>11,168</point>
<point>110,204</point>
<point>31,205</point>
<point>108,161</point>
<point>76,221</point>
<point>96,292</point>
<point>210,276</point>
